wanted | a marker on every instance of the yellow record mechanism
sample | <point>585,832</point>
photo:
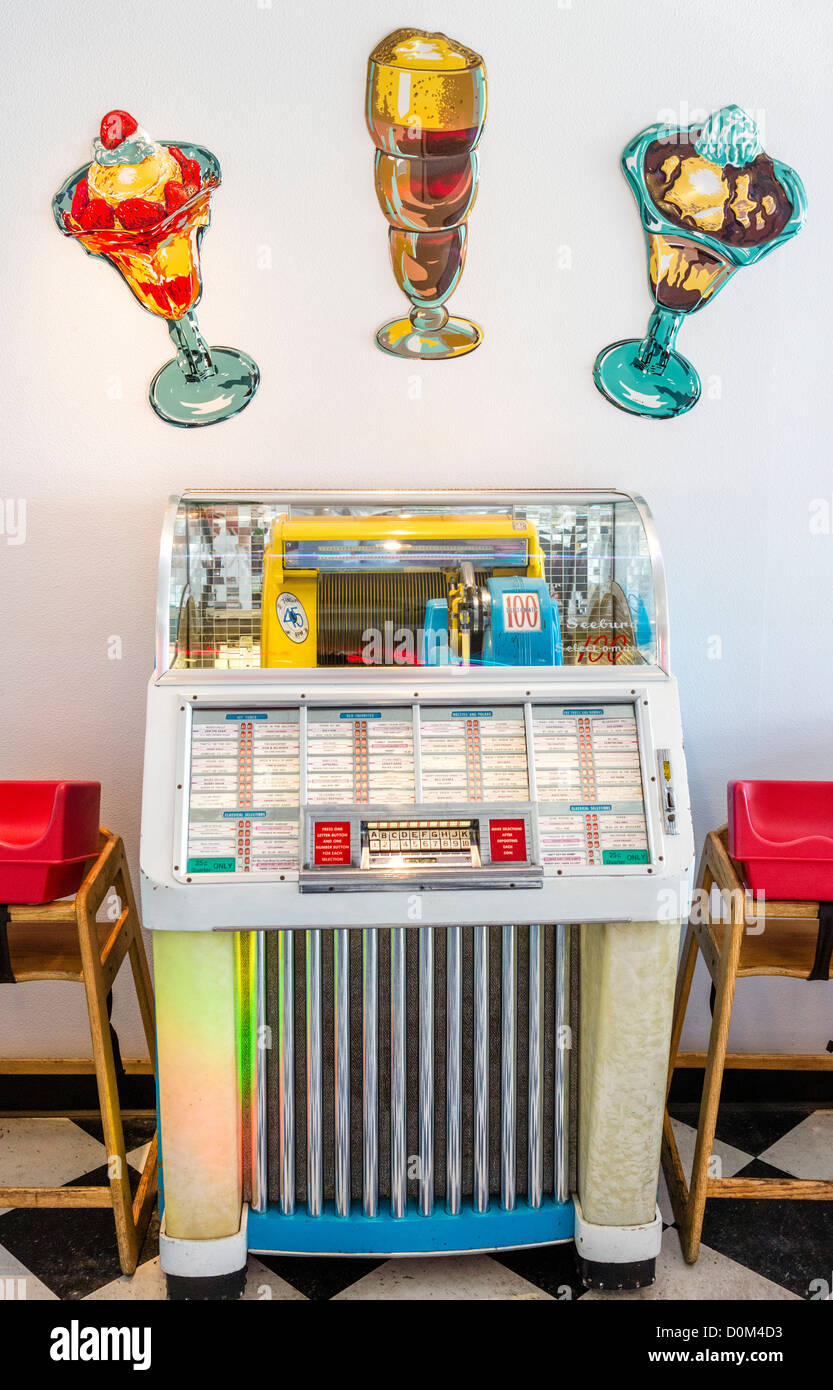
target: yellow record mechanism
<point>343,590</point>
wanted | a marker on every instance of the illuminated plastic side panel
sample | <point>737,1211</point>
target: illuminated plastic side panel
<point>627,991</point>
<point>199,1095</point>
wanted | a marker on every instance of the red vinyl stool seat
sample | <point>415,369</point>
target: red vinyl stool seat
<point>48,836</point>
<point>782,833</point>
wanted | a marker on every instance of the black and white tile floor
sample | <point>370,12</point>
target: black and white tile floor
<point>752,1250</point>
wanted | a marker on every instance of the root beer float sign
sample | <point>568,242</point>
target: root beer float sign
<point>425,106</point>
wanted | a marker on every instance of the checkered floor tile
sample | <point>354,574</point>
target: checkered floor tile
<point>752,1250</point>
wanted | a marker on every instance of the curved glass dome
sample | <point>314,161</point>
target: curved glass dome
<point>284,580</point>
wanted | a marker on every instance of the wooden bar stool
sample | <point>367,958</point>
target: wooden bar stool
<point>785,946</point>
<point>63,941</point>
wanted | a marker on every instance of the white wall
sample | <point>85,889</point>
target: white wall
<point>277,92</point>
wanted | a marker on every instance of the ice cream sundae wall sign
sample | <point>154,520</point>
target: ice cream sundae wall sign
<point>143,205</point>
<point>710,201</point>
<point>425,104</point>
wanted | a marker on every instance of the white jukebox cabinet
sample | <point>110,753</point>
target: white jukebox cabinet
<point>415,848</point>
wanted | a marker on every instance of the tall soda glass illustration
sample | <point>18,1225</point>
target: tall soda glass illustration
<point>711,201</point>
<point>143,205</point>
<point>425,108</point>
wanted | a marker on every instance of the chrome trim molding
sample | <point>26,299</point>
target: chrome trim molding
<point>426,1070</point>
<point>508,1073</point>
<point>370,1071</point>
<point>398,1076</point>
<point>535,1090</point>
<point>480,1068</point>
<point>563,1046</point>
<point>286,1069</point>
<point>454,1071</point>
<point>341,1034</point>
<point>315,1178</point>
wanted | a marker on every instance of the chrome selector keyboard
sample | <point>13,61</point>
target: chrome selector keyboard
<point>386,843</point>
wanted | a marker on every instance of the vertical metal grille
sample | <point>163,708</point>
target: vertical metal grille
<point>314,1091</point>
<point>398,1075</point>
<point>508,1069</point>
<point>480,1069</point>
<point>454,1069</point>
<point>341,1108</point>
<point>426,1070</point>
<point>425,1066</point>
<point>286,1043</point>
<point>535,1090</point>
<point>370,1073</point>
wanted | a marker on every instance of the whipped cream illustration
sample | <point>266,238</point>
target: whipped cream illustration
<point>729,136</point>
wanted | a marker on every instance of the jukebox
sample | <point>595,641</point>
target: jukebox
<point>415,848</point>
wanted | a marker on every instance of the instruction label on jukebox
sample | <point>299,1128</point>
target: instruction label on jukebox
<point>244,792</point>
<point>589,784</point>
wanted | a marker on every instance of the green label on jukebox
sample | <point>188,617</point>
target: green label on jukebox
<point>211,866</point>
<point>625,856</point>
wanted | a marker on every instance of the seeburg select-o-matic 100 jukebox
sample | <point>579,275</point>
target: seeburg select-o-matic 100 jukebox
<point>415,848</point>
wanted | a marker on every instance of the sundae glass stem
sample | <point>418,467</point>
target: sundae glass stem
<point>430,319</point>
<point>654,350</point>
<point>192,351</point>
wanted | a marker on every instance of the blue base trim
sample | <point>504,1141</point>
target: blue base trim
<point>413,1234</point>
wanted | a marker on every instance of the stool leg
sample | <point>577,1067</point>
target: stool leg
<point>108,1092</point>
<point>108,1097</point>
<point>114,1039</point>
<point>712,1083</point>
<point>145,1199</point>
<point>138,960</point>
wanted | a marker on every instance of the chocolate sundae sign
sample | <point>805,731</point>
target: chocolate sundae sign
<point>711,201</point>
